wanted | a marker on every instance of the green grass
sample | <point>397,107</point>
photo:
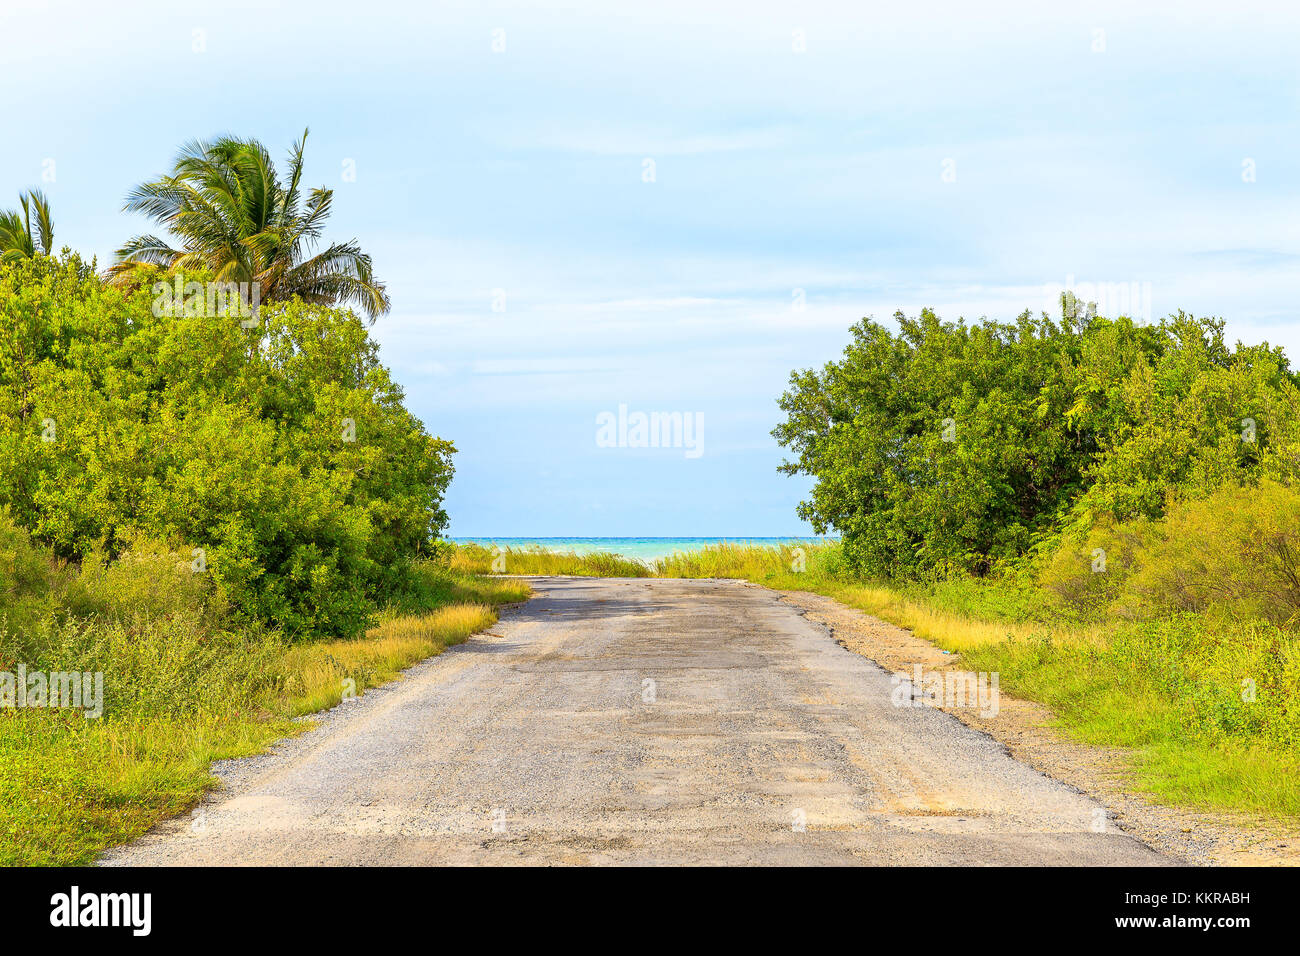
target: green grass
<point>180,694</point>
<point>477,559</point>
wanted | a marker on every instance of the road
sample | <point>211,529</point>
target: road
<point>637,721</point>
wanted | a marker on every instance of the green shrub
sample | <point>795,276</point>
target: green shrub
<point>1235,553</point>
<point>32,583</point>
<point>952,447</point>
<point>150,580</point>
<point>1089,576</point>
<point>283,451</point>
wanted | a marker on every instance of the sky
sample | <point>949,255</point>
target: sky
<point>668,207</point>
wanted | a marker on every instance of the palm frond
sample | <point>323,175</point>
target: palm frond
<point>289,202</point>
<point>341,273</point>
<point>141,251</point>
<point>226,208</point>
<point>15,241</point>
<point>44,221</point>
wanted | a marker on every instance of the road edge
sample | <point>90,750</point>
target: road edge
<point>1032,736</point>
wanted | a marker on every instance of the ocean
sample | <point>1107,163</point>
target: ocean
<point>646,549</point>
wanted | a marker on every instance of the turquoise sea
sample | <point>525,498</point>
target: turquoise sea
<point>647,549</point>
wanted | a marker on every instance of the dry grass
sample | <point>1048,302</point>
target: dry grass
<point>319,671</point>
<point>182,696</point>
<point>950,630</point>
<point>476,559</point>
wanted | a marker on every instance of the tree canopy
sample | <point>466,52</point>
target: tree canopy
<point>234,218</point>
<point>283,452</point>
<point>948,446</point>
<point>29,230</point>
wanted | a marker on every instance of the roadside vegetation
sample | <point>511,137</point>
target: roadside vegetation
<point>184,683</point>
<point>479,559</point>
<point>276,451</point>
<point>215,509</point>
<point>1106,513</point>
<point>949,449</point>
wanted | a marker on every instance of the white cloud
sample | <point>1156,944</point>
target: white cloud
<point>602,141</point>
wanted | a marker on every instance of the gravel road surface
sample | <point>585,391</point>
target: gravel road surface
<point>637,721</point>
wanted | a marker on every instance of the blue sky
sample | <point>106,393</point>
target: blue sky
<point>876,157</point>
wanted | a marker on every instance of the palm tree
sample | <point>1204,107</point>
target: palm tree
<point>233,217</point>
<point>16,238</point>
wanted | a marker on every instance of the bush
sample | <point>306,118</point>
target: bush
<point>150,580</point>
<point>284,451</point>
<point>31,583</point>
<point>1237,550</point>
<point>952,448</point>
<point>1235,553</point>
<point>1088,576</point>
<point>943,448</point>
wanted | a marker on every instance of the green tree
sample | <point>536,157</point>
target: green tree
<point>233,218</point>
<point>951,447</point>
<point>283,452</point>
<point>29,231</point>
<point>941,447</point>
<point>1180,418</point>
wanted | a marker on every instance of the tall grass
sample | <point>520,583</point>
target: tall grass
<point>737,560</point>
<point>180,689</point>
<point>318,671</point>
<point>476,559</point>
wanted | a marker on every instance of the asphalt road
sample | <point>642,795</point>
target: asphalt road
<point>643,722</point>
